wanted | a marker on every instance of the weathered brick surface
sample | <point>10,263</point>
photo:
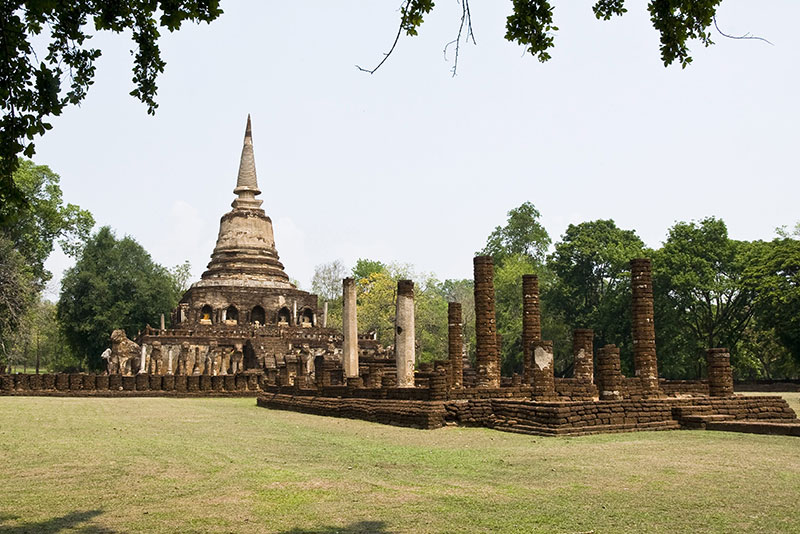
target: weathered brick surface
<point>487,357</point>
<point>720,375</point>
<point>643,327</point>
<point>455,345</point>
<point>531,323</point>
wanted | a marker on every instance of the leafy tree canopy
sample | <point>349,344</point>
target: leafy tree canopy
<point>364,268</point>
<point>773,272</point>
<point>699,273</point>
<point>35,227</point>
<point>17,293</point>
<point>38,84</point>
<point>114,284</point>
<point>531,25</point>
<point>523,235</point>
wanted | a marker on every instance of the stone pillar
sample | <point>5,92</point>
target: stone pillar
<point>404,350</point>
<point>163,324</point>
<point>531,323</point>
<point>169,361</point>
<point>325,315</point>
<point>644,334</point>
<point>583,354</point>
<point>294,313</point>
<point>544,385</point>
<point>720,375</point>
<point>609,373</point>
<point>143,361</point>
<point>455,345</point>
<point>487,357</point>
<point>350,326</point>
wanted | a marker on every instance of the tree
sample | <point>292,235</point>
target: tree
<point>592,281</point>
<point>17,293</point>
<point>699,277</point>
<point>364,268</point>
<point>772,272</point>
<point>36,226</point>
<point>530,24</point>
<point>523,235</point>
<point>31,88</point>
<point>114,284</point>
<point>327,280</point>
<point>39,343</point>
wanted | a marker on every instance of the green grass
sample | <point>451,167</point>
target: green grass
<point>224,465</point>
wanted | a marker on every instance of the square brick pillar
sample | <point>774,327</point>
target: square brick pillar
<point>487,356</point>
<point>531,323</point>
<point>643,328</point>
<point>583,354</point>
<point>455,344</point>
<point>609,373</point>
<point>543,368</point>
<point>720,374</point>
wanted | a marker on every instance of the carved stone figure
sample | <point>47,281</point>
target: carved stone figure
<point>124,353</point>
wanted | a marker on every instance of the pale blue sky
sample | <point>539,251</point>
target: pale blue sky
<point>415,166</point>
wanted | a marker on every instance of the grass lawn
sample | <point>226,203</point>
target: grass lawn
<point>223,465</point>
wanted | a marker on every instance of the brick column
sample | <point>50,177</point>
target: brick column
<point>720,375</point>
<point>583,354</point>
<point>404,350</point>
<point>544,386</point>
<point>350,326</point>
<point>531,323</point>
<point>644,335</point>
<point>609,373</point>
<point>455,344</point>
<point>487,357</point>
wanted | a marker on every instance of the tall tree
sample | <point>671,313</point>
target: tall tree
<point>592,281</point>
<point>522,234</point>
<point>114,284</point>
<point>327,280</point>
<point>17,294</point>
<point>699,281</point>
<point>44,220</point>
<point>772,272</point>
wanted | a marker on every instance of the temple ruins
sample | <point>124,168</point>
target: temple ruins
<point>245,329</point>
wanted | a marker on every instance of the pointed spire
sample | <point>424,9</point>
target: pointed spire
<point>247,183</point>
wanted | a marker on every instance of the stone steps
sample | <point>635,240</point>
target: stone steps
<point>756,427</point>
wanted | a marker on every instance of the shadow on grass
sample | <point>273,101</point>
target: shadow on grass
<point>362,527</point>
<point>54,525</point>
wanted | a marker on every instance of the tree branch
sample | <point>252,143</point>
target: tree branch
<point>745,36</point>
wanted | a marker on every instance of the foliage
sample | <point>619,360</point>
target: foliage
<point>43,220</point>
<point>463,292</point>
<point>773,273</point>
<point>698,284</point>
<point>40,338</point>
<point>17,293</point>
<point>592,281</point>
<point>31,89</point>
<point>327,280</point>
<point>523,234</point>
<point>181,275</point>
<point>531,24</point>
<point>364,268</point>
<point>761,355</point>
<point>114,284</point>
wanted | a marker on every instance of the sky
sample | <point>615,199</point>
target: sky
<point>414,165</point>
